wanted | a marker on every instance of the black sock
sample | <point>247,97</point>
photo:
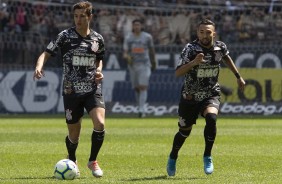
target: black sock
<point>178,141</point>
<point>209,133</point>
<point>71,147</point>
<point>97,140</point>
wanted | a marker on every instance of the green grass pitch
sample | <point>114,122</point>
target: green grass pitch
<point>136,150</point>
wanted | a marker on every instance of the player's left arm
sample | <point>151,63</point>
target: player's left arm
<point>99,75</point>
<point>152,54</point>
<point>230,64</point>
<point>99,61</point>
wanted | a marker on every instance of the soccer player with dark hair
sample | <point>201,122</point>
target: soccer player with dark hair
<point>199,63</point>
<point>82,51</point>
<point>139,53</point>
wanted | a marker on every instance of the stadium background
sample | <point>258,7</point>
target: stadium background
<point>251,29</point>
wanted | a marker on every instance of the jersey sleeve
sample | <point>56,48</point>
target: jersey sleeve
<point>101,51</point>
<point>186,55</point>
<point>223,47</point>
<point>55,44</point>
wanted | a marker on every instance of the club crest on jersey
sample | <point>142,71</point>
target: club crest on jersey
<point>95,46</point>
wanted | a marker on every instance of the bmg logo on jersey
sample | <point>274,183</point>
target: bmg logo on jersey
<point>83,61</point>
<point>207,72</point>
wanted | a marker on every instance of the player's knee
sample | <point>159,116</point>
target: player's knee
<point>99,125</point>
<point>185,132</point>
<point>211,119</point>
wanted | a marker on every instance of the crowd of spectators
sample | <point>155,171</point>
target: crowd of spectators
<point>159,3</point>
<point>169,21</point>
<point>174,24</point>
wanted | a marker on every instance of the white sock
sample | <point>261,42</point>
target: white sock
<point>142,100</point>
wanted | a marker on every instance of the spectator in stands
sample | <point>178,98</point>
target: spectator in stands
<point>139,53</point>
<point>260,25</point>
<point>4,19</point>
<point>199,63</point>
<point>244,26</point>
<point>228,28</point>
<point>278,24</point>
<point>21,17</point>
<point>106,23</point>
<point>12,26</point>
<point>36,18</point>
<point>63,18</point>
<point>52,29</point>
<point>124,23</point>
<point>83,52</point>
<point>180,26</point>
<point>164,35</point>
<point>152,22</point>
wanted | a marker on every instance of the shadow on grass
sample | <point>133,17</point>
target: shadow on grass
<point>27,178</point>
<point>164,177</point>
<point>33,178</point>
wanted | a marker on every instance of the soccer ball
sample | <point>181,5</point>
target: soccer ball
<point>65,170</point>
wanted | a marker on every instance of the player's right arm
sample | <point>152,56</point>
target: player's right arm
<point>51,50</point>
<point>126,54</point>
<point>38,72</point>
<point>127,57</point>
<point>187,60</point>
<point>185,68</point>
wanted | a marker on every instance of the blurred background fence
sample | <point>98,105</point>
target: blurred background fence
<point>251,29</point>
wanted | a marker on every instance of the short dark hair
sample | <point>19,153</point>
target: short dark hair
<point>137,20</point>
<point>206,22</point>
<point>83,5</point>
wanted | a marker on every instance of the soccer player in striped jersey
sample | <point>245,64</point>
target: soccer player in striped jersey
<point>82,50</point>
<point>199,63</point>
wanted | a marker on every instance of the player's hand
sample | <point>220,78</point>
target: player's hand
<point>129,60</point>
<point>241,83</point>
<point>199,58</point>
<point>38,73</point>
<point>98,77</point>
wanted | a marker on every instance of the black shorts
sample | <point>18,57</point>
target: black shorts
<point>74,106</point>
<point>188,110</point>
